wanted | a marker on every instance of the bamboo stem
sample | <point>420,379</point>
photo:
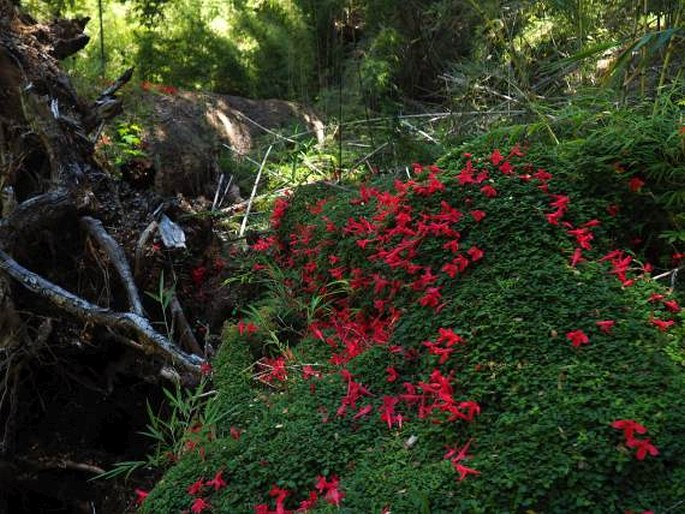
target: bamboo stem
<point>254,192</point>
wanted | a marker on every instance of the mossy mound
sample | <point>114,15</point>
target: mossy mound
<point>444,355</point>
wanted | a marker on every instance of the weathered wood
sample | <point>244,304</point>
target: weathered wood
<point>91,313</point>
<point>118,259</point>
<point>185,333</point>
<point>33,214</point>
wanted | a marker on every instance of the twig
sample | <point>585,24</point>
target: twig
<point>269,131</point>
<point>433,116</point>
<point>674,506</point>
<point>672,273</point>
<point>254,192</point>
<point>186,336</point>
<point>58,463</point>
<point>118,83</point>
<point>140,245</point>
<point>668,273</point>
<point>237,206</point>
<point>240,154</point>
<point>218,188</point>
<point>369,155</point>
<point>226,190</point>
<point>29,215</point>
<point>86,311</point>
<point>118,259</point>
<point>421,132</point>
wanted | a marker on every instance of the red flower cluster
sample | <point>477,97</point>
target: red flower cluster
<point>160,88</point>
<point>280,206</point>
<point>329,489</point>
<point>672,306</point>
<point>643,447</point>
<point>577,338</point>
<point>456,456</point>
<point>392,232</point>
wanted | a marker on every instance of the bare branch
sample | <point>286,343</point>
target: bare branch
<point>254,192</point>
<point>185,333</point>
<point>117,258</point>
<point>89,312</point>
<point>140,247</point>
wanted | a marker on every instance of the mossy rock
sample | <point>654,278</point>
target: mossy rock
<point>417,342</point>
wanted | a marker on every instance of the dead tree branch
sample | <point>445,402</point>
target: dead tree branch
<point>118,259</point>
<point>89,312</point>
<point>185,333</point>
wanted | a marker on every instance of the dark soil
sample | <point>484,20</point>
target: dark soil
<point>67,428</point>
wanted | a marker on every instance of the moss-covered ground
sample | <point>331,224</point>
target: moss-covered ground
<point>470,339</point>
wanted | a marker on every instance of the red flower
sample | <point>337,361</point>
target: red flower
<point>542,175</point>
<point>205,368</point>
<point>198,275</point>
<point>672,306</point>
<point>309,503</point>
<point>435,349</point>
<point>472,409</point>
<point>167,90</point>
<point>330,487</point>
<point>388,411</point>
<point>461,262</point>
<point>506,168</point>
<point>280,495</point>
<point>457,455</point>
<point>217,482</point>
<point>613,210</point>
<point>629,427</point>
<point>235,433</point>
<point>140,496</point>
<point>488,191</point>
<point>452,246</point>
<point>577,337</point>
<point>275,369</point>
<point>448,337</point>
<point>605,326</point>
<point>464,471</point>
<point>250,328</point>
<point>516,150</point>
<point>644,446</point>
<point>199,505</point>
<point>392,374</point>
<point>475,253</point>
<point>635,184</point>
<point>196,487</point>
<point>478,215</point>
<point>583,237</point>
<point>560,202</point>
<point>661,324</point>
<point>553,218</point>
<point>431,298</point>
<point>363,411</point>
<point>308,371</point>
<point>317,208</point>
<point>496,157</point>
<point>451,269</point>
<point>577,257</point>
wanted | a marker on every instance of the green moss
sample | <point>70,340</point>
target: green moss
<point>543,440</point>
